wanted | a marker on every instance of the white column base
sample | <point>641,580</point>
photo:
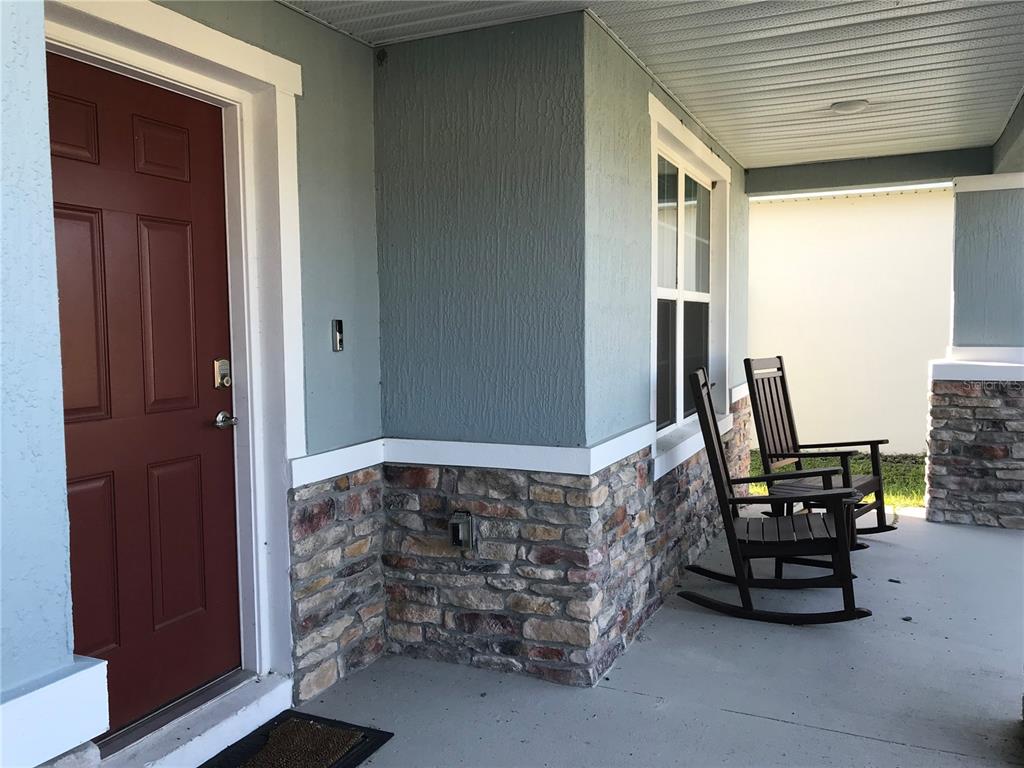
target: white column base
<point>48,717</point>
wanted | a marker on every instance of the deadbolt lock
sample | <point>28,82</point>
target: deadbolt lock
<point>221,373</point>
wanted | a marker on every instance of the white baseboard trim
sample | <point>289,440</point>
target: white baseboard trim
<point>46,718</point>
<point>531,458</point>
<point>967,370</point>
<point>199,735</point>
<point>988,182</point>
<point>739,392</point>
<point>987,354</point>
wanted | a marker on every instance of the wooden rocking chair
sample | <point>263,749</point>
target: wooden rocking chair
<point>776,437</point>
<point>788,539</point>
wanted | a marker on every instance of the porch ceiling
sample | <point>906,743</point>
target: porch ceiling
<point>760,76</point>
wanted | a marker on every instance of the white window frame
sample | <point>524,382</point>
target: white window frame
<point>671,140</point>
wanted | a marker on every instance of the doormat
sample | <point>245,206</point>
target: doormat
<point>297,740</point>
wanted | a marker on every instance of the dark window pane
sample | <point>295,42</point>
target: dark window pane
<point>696,237</point>
<point>695,346</point>
<point>668,223</point>
<point>666,380</point>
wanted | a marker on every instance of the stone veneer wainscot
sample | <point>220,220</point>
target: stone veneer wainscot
<point>337,532</point>
<point>976,453</point>
<point>564,570</point>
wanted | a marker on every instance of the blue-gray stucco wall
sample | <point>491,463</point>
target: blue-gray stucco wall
<point>480,169</point>
<point>515,253</point>
<point>1008,151</point>
<point>35,594</point>
<point>988,269</point>
<point>336,208</point>
<point>618,237</point>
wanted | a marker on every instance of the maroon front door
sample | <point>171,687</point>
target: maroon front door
<point>138,188</point>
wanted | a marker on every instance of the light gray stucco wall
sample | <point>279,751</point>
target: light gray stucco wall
<point>480,168</point>
<point>35,595</point>
<point>336,208</point>
<point>988,269</point>
<point>619,238</point>
<point>1008,151</point>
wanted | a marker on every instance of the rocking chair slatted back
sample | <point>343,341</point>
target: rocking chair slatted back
<point>772,411</point>
<point>715,449</point>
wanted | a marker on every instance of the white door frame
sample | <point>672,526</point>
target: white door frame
<point>256,91</point>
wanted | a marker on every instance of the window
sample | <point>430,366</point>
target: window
<point>690,197</point>
<point>683,247</point>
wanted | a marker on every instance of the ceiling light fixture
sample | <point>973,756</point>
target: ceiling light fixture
<point>851,107</point>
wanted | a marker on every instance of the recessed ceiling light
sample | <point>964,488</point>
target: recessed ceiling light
<point>851,107</point>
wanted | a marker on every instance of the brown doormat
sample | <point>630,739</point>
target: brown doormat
<point>297,740</point>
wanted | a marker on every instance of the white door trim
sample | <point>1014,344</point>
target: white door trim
<point>256,91</point>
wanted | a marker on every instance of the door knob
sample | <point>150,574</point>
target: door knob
<point>225,420</point>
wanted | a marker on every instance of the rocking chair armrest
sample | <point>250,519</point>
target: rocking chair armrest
<point>834,494</point>
<point>794,475</point>
<point>811,454</point>
<point>844,443</point>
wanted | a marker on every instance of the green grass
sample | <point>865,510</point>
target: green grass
<point>903,474</point>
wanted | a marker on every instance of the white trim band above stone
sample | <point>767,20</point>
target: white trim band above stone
<point>48,717</point>
<point>680,444</point>
<point>987,354</point>
<point>535,458</point>
<point>739,392</point>
<point>966,370</point>
<point>989,182</point>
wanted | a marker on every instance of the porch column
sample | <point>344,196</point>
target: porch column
<point>976,440</point>
<point>51,701</point>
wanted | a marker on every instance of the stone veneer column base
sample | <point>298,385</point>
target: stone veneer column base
<point>975,471</point>
<point>337,582</point>
<point>563,571</point>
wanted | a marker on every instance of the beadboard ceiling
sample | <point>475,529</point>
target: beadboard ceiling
<point>760,76</point>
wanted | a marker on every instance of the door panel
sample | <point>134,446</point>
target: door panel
<point>73,131</point>
<point>176,530</point>
<point>97,612</point>
<point>83,316</point>
<point>161,149</point>
<point>168,314</point>
<point>142,275</point>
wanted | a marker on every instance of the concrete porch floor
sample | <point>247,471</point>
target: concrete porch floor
<point>701,689</point>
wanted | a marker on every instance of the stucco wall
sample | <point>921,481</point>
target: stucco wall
<point>480,220</point>
<point>1008,151</point>
<point>516,254</point>
<point>35,599</point>
<point>618,236</point>
<point>988,279</point>
<point>336,207</point>
<point>854,292</point>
